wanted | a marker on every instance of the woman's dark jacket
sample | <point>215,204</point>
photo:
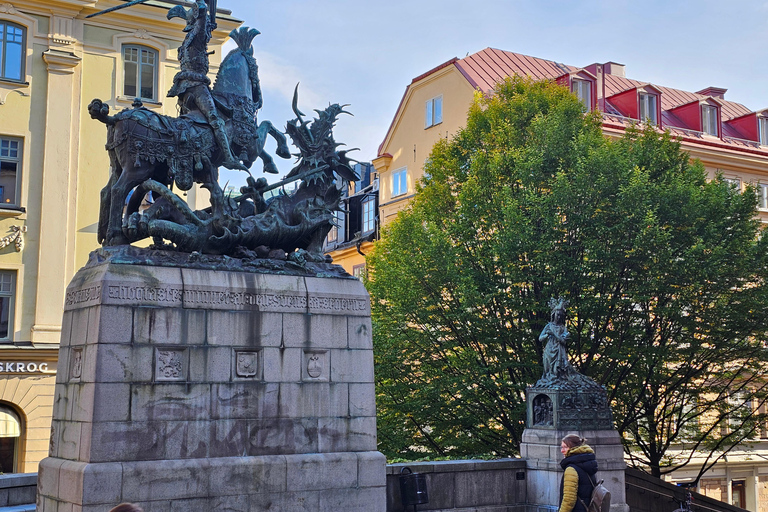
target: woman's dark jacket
<point>582,459</point>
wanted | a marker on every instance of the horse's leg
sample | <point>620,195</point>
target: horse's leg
<point>129,178</point>
<point>257,147</point>
<point>104,205</point>
<point>269,164</point>
<point>282,144</point>
<point>217,195</point>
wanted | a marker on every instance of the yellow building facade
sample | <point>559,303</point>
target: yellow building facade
<point>53,165</point>
<point>732,143</point>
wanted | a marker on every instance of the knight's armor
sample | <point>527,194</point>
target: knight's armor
<point>191,84</point>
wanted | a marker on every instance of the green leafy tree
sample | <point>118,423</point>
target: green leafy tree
<point>664,271</point>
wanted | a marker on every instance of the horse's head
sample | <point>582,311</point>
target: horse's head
<point>238,76</point>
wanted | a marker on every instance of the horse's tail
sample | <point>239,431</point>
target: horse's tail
<point>100,111</point>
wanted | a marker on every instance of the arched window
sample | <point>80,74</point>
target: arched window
<point>12,51</point>
<point>140,72</point>
<point>10,433</point>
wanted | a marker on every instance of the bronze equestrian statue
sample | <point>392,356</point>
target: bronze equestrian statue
<point>218,127</point>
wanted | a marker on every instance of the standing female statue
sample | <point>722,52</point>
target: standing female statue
<point>555,335</point>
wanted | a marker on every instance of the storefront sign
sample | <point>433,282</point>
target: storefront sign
<point>23,367</point>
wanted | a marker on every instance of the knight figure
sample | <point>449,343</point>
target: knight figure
<point>192,85</point>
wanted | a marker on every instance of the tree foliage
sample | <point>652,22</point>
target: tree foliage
<point>664,271</point>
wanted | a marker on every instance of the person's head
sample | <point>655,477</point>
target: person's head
<point>571,441</point>
<point>127,507</point>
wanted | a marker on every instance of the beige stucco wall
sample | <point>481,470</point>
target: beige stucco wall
<point>70,61</point>
<point>410,143</point>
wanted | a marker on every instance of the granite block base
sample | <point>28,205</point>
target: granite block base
<point>193,389</point>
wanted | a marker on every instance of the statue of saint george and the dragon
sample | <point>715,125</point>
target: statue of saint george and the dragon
<point>217,126</point>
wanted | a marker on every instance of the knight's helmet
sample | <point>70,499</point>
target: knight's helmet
<point>237,82</point>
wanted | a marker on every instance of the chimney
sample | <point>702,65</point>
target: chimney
<point>715,92</point>
<point>615,69</point>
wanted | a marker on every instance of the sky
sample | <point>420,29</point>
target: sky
<point>365,53</point>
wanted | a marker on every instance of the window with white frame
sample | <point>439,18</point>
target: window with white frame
<point>733,182</point>
<point>648,108</point>
<point>369,214</point>
<point>140,72</point>
<point>12,51</point>
<point>762,196</point>
<point>433,113</point>
<point>762,124</point>
<point>709,119</point>
<point>399,182</point>
<point>583,90</point>
<point>358,271</point>
<point>7,295</point>
<point>10,170</point>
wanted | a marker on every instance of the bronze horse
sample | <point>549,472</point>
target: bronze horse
<point>145,145</point>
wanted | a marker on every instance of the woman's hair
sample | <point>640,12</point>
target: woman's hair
<point>127,507</point>
<point>572,441</point>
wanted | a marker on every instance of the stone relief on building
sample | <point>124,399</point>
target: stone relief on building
<point>542,410</point>
<point>16,238</point>
<point>218,126</point>
<point>247,364</point>
<point>315,368</point>
<point>169,365</point>
<point>77,363</point>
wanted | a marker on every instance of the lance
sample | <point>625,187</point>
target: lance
<point>116,8</point>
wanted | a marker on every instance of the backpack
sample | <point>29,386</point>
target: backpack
<point>600,501</point>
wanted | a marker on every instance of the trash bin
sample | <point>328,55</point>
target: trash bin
<point>413,488</point>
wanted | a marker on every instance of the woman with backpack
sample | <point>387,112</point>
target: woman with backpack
<point>578,481</point>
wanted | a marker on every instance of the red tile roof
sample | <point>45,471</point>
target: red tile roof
<point>487,68</point>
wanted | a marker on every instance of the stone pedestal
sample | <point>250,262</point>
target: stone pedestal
<point>186,389</point>
<point>541,450</point>
<point>563,408</point>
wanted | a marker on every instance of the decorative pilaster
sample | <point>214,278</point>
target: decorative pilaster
<point>59,178</point>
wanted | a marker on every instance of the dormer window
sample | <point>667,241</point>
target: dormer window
<point>709,120</point>
<point>583,90</point>
<point>762,124</point>
<point>647,111</point>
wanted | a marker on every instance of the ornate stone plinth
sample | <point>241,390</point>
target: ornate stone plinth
<point>561,408</point>
<point>189,389</point>
<point>555,411</point>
